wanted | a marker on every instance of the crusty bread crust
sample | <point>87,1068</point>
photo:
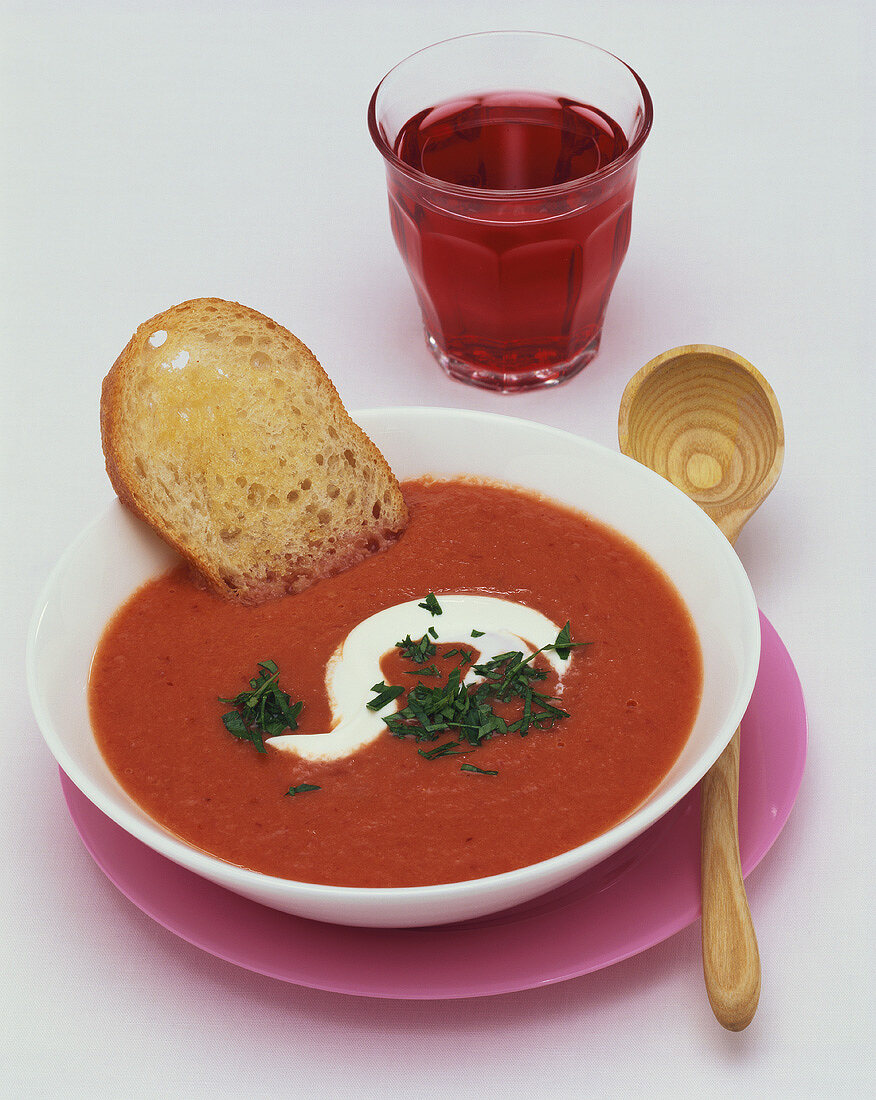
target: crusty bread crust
<point>221,430</point>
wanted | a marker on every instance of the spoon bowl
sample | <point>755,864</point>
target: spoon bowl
<point>706,420</point>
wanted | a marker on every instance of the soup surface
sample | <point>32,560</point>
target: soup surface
<point>388,815</point>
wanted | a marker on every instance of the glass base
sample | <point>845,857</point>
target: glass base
<point>513,381</point>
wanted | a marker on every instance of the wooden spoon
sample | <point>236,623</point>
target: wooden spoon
<point>707,421</point>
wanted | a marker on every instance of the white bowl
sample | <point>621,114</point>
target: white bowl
<point>117,553</point>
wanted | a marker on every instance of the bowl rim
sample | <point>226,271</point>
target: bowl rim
<point>216,869</point>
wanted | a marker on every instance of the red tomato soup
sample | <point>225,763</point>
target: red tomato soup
<point>387,815</point>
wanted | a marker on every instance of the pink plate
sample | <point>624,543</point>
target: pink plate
<point>635,899</point>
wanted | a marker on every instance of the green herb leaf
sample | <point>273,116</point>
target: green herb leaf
<point>263,711</point>
<point>441,750</point>
<point>431,604</point>
<point>302,787</point>
<point>234,724</point>
<point>477,633</point>
<point>416,651</point>
<point>472,768</point>
<point>466,654</point>
<point>563,644</point>
<point>385,694</point>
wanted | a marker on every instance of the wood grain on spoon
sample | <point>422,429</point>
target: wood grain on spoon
<point>706,420</point>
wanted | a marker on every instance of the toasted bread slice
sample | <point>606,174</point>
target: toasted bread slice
<point>222,431</point>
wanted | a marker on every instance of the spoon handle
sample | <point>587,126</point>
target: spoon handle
<point>731,962</point>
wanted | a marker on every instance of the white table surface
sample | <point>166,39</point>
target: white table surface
<point>160,151</point>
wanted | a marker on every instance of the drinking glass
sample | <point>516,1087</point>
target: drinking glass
<point>512,280</point>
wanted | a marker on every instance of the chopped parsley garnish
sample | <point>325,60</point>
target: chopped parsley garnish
<point>302,787</point>
<point>263,711</point>
<point>472,768</point>
<point>442,750</point>
<point>385,694</point>
<point>477,633</point>
<point>416,651</point>
<point>467,655</point>
<point>431,604</point>
<point>563,645</point>
<point>468,714</point>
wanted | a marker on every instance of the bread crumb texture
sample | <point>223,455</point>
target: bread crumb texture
<point>223,432</point>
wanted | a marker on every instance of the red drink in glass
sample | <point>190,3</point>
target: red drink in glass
<point>511,209</point>
<point>509,289</point>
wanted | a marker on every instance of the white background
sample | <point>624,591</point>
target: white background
<point>153,152</point>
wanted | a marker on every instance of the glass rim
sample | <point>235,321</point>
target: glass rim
<point>485,194</point>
